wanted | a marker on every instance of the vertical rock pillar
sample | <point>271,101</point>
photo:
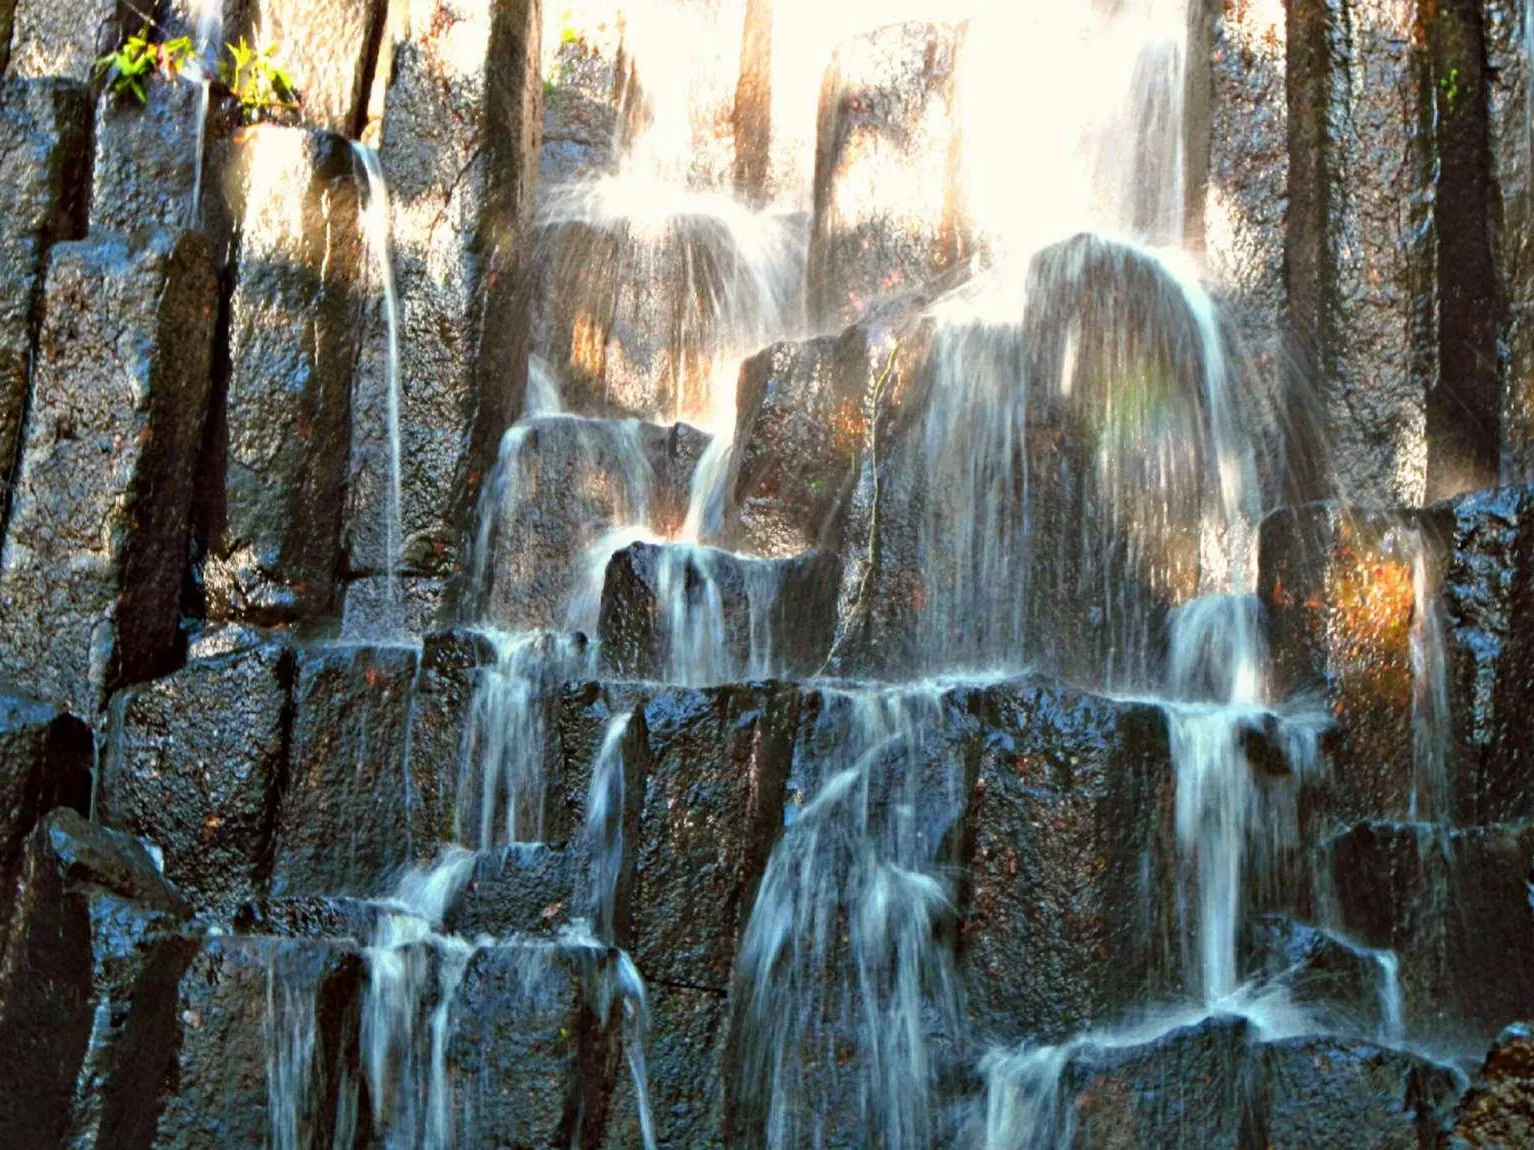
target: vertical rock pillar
<point>91,571</point>
<point>459,152</point>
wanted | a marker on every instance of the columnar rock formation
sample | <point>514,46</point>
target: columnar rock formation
<point>611,617</point>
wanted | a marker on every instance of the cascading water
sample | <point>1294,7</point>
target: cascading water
<point>376,224</point>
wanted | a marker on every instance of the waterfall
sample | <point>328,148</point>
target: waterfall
<point>376,225</point>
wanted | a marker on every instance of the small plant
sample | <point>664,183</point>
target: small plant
<point>1451,87</point>
<point>257,81</point>
<point>128,69</point>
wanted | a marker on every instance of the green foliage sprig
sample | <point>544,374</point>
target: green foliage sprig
<point>257,81</point>
<point>128,69</point>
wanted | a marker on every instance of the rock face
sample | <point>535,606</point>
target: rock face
<point>887,217</point>
<point>147,167</point>
<point>99,514</point>
<point>88,904</point>
<point>350,814</point>
<point>281,423</point>
<point>586,77</point>
<point>44,149</point>
<point>459,152</point>
<point>1499,1109</point>
<point>195,763</point>
<point>1072,808</point>
<point>1360,247</point>
<point>51,40</point>
<point>329,48</point>
<point>685,614</point>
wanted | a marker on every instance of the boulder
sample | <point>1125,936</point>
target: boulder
<point>353,812</point>
<point>1454,906</point>
<point>696,615</point>
<point>459,154</point>
<point>195,763</point>
<point>888,216</point>
<point>88,919</point>
<point>713,806</point>
<point>532,1055</point>
<point>44,150</point>
<point>91,573</point>
<point>1073,807</point>
<point>54,40</point>
<point>281,422</point>
<point>1362,276</point>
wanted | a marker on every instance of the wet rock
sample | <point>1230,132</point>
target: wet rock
<point>532,1059</point>
<point>195,763</point>
<point>887,213</point>
<point>686,614</point>
<point>524,888</point>
<point>561,487</point>
<point>353,811</point>
<point>459,155</point>
<point>328,47</point>
<point>586,715</point>
<point>238,1024</point>
<point>1487,586</point>
<point>1340,594</point>
<point>90,577</point>
<point>57,40</point>
<point>1498,1110</point>
<point>372,612</point>
<point>1343,987</point>
<point>1362,273</point>
<point>713,806</point>
<point>89,912</point>
<point>685,1062</point>
<point>309,916</point>
<point>1454,906</point>
<point>799,428</point>
<point>1512,163</point>
<point>147,167</point>
<point>1072,810</point>
<point>44,148</point>
<point>586,75</point>
<point>281,425</point>
<point>45,762</point>
<point>1244,204</point>
<point>452,663</point>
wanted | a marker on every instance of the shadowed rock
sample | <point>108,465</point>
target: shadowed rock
<point>887,217</point>
<point>353,812</point>
<point>524,888</point>
<point>281,424</point>
<point>88,918</point>
<point>90,578</point>
<point>44,150</point>
<point>686,614</point>
<point>195,762</point>
<point>586,76</point>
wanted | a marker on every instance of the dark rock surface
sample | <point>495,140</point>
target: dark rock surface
<point>1071,865</point>
<point>460,153</point>
<point>1498,1110</point>
<point>195,762</point>
<point>88,911</point>
<point>91,570</point>
<point>713,806</point>
<point>887,217</point>
<point>525,888</point>
<point>45,762</point>
<point>44,152</point>
<point>281,423</point>
<point>741,617</point>
<point>1454,906</point>
<point>146,163</point>
<point>352,812</point>
<point>685,1061</point>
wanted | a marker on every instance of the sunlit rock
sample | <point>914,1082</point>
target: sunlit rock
<point>90,578</point>
<point>44,142</point>
<point>888,216</point>
<point>195,762</point>
<point>147,167</point>
<point>459,156</point>
<point>328,47</point>
<point>352,813</point>
<point>273,522</point>
<point>588,79</point>
<point>49,39</point>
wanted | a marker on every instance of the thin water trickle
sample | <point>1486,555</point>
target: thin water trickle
<point>376,221</point>
<point>604,828</point>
